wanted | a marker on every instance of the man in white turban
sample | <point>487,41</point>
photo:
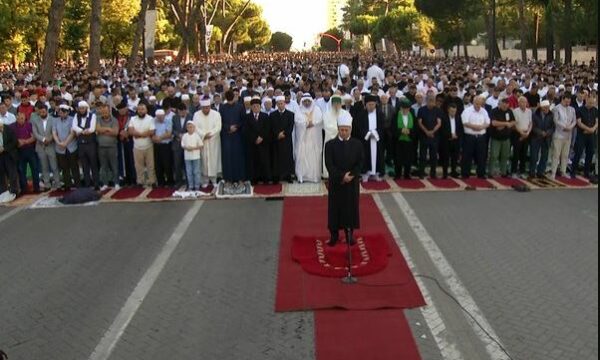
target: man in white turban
<point>208,125</point>
<point>309,141</point>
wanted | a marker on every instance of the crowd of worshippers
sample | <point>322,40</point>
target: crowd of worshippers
<point>266,118</point>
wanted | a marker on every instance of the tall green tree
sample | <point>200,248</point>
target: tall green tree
<point>95,36</point>
<point>281,41</point>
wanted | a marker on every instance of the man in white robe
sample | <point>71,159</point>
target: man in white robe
<point>309,141</point>
<point>330,124</point>
<point>208,126</point>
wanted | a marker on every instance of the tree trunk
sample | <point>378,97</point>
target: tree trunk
<point>95,33</point>
<point>151,6</point>
<point>549,33</point>
<point>465,49</point>
<point>523,30</point>
<point>536,37</point>
<point>225,36</point>
<point>55,17</point>
<point>137,36</point>
<point>567,34</point>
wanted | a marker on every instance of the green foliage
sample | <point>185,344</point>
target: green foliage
<point>76,27</point>
<point>328,44</point>
<point>22,29</point>
<point>118,26</point>
<point>281,41</point>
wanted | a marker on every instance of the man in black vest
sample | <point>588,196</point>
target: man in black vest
<point>344,157</point>
<point>84,126</point>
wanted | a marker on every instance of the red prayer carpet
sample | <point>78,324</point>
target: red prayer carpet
<point>509,182</point>
<point>160,193</point>
<point>370,256</point>
<point>268,190</point>
<point>128,193</point>
<point>478,183</point>
<point>411,184</point>
<point>572,182</point>
<point>444,183</point>
<point>59,193</point>
<point>375,185</point>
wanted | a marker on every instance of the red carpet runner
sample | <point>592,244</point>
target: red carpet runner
<point>478,183</point>
<point>375,185</point>
<point>444,183</point>
<point>509,182</point>
<point>268,190</point>
<point>160,193</point>
<point>362,335</point>
<point>572,182</point>
<point>374,323</point>
<point>298,290</point>
<point>412,184</point>
<point>128,193</point>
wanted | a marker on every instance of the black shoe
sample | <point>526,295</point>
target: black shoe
<point>352,242</point>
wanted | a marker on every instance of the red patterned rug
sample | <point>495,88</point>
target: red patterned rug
<point>160,193</point>
<point>444,183</point>
<point>267,190</point>
<point>509,182</point>
<point>375,185</point>
<point>577,182</point>
<point>478,183</point>
<point>370,255</point>
<point>128,193</point>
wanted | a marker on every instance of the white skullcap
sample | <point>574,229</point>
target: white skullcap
<point>160,112</point>
<point>347,97</point>
<point>561,87</point>
<point>185,97</point>
<point>270,89</point>
<point>545,103</point>
<point>64,107</point>
<point>83,104</point>
<point>152,98</point>
<point>247,99</point>
<point>280,98</point>
<point>345,120</point>
<point>67,97</point>
<point>145,89</point>
<point>306,97</point>
<point>268,100</point>
<point>205,103</point>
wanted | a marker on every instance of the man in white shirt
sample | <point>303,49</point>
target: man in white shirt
<point>565,120</point>
<point>6,117</point>
<point>141,128</point>
<point>208,124</point>
<point>476,121</point>
<point>375,71</point>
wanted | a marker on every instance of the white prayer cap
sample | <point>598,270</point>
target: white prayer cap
<point>263,81</point>
<point>145,89</point>
<point>185,97</point>
<point>267,99</point>
<point>280,98</point>
<point>425,77</point>
<point>545,103</point>
<point>270,89</point>
<point>67,97</point>
<point>247,99</point>
<point>160,112</point>
<point>64,107</point>
<point>345,120</point>
<point>347,97</point>
<point>83,104</point>
<point>306,97</point>
<point>152,98</point>
<point>205,103</point>
<point>561,87</point>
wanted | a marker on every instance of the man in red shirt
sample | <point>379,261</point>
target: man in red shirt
<point>26,150</point>
<point>25,107</point>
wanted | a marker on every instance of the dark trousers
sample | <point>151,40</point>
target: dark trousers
<point>126,162</point>
<point>163,164</point>
<point>519,159</point>
<point>538,161</point>
<point>335,234</point>
<point>28,157</point>
<point>475,148</point>
<point>68,163</point>
<point>8,169</point>
<point>404,158</point>
<point>389,147</point>
<point>428,147</point>
<point>178,165</point>
<point>449,155</point>
<point>585,143</point>
<point>88,156</point>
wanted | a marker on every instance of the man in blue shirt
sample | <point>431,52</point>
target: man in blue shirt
<point>163,153</point>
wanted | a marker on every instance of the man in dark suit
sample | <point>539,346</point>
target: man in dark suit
<point>390,113</point>
<point>258,135</point>
<point>178,130</point>
<point>451,138</point>
<point>371,132</point>
<point>8,159</point>
<point>282,126</point>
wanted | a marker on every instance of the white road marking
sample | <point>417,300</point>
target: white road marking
<point>11,213</point>
<point>448,349</point>
<point>452,280</point>
<point>112,336</point>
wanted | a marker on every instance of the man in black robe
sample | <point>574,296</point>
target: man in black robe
<point>258,144</point>
<point>232,141</point>
<point>344,158</point>
<point>371,132</point>
<point>282,126</point>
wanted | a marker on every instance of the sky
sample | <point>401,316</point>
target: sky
<point>302,19</point>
